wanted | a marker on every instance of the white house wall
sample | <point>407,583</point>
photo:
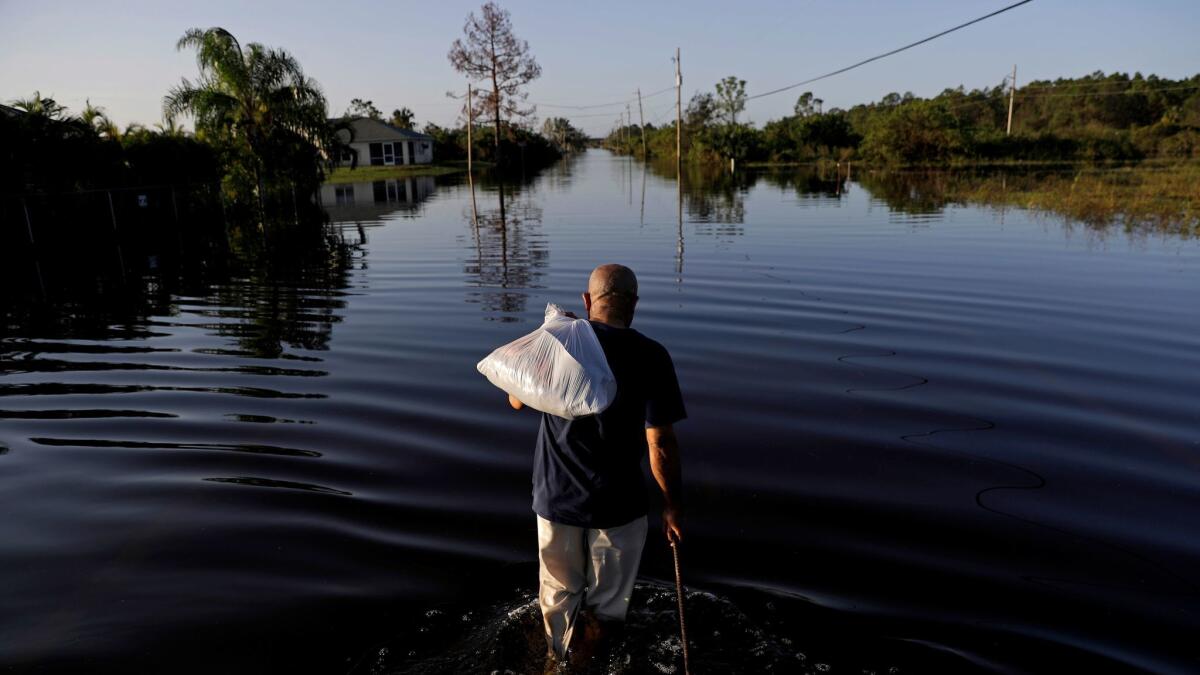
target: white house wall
<point>422,156</point>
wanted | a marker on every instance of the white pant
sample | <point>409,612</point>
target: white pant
<point>580,564</point>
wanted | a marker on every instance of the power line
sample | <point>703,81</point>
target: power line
<point>887,54</point>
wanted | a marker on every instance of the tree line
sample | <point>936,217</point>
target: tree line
<point>1097,117</point>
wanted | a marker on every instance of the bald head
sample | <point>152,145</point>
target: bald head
<point>612,294</point>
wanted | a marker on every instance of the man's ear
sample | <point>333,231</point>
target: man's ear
<point>587,301</point>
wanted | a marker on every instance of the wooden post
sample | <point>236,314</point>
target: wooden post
<point>678,116</point>
<point>470,123</point>
<point>642,123</point>
<point>1012,94</point>
<point>628,116</point>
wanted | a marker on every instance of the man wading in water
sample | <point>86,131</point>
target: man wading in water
<point>588,490</point>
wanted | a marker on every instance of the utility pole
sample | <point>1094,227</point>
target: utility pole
<point>678,115</point>
<point>642,122</point>
<point>628,116</point>
<point>470,177</point>
<point>1012,95</point>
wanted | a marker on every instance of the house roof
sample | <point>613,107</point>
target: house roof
<point>367,130</point>
<point>10,111</point>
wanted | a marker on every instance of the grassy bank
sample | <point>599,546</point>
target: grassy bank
<point>1165,198</point>
<point>372,173</point>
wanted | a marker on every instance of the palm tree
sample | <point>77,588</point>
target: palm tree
<point>257,101</point>
<point>43,107</point>
<point>96,119</point>
<point>170,128</point>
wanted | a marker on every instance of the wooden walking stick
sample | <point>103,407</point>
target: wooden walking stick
<point>679,598</point>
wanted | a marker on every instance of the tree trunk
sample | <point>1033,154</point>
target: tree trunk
<point>496,108</point>
<point>496,104</point>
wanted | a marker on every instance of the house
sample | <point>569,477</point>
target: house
<point>377,143</point>
<point>8,111</point>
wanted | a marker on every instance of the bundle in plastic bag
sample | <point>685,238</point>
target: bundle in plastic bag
<point>558,369</point>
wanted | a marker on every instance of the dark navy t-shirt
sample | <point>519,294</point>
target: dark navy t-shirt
<point>587,472</point>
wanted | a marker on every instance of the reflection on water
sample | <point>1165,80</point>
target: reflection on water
<point>371,200</point>
<point>930,430</point>
<point>510,254</point>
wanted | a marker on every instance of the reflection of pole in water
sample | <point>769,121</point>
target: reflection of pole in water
<point>503,240</point>
<point>37,265</point>
<point>178,228</point>
<point>642,218</point>
<point>679,221</point>
<point>120,256</point>
<point>631,180</point>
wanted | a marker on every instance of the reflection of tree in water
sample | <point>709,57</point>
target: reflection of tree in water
<point>290,296</point>
<point>263,294</point>
<point>509,253</point>
<point>820,184</point>
<point>912,193</point>
<point>1138,200</point>
<point>716,199</point>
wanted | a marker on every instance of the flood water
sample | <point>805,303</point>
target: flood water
<point>922,437</point>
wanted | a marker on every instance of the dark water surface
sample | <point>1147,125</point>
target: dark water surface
<point>923,438</point>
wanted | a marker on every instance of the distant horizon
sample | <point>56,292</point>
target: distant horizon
<point>123,58</point>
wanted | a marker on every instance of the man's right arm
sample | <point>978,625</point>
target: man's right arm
<point>665,465</point>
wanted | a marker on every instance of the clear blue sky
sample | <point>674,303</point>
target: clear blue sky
<point>122,55</point>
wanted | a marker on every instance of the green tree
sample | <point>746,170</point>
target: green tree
<point>563,134</point>
<point>41,106</point>
<point>732,139</point>
<point>807,105</point>
<point>731,98</point>
<point>360,108</point>
<point>403,118</point>
<point>257,105</point>
<point>915,132</point>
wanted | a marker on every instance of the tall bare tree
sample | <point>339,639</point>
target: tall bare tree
<point>490,51</point>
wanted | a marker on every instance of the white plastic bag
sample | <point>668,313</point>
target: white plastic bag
<point>558,369</point>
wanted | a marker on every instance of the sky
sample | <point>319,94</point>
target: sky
<point>121,55</point>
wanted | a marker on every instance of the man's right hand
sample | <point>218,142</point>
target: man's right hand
<point>515,402</point>
<point>673,524</point>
